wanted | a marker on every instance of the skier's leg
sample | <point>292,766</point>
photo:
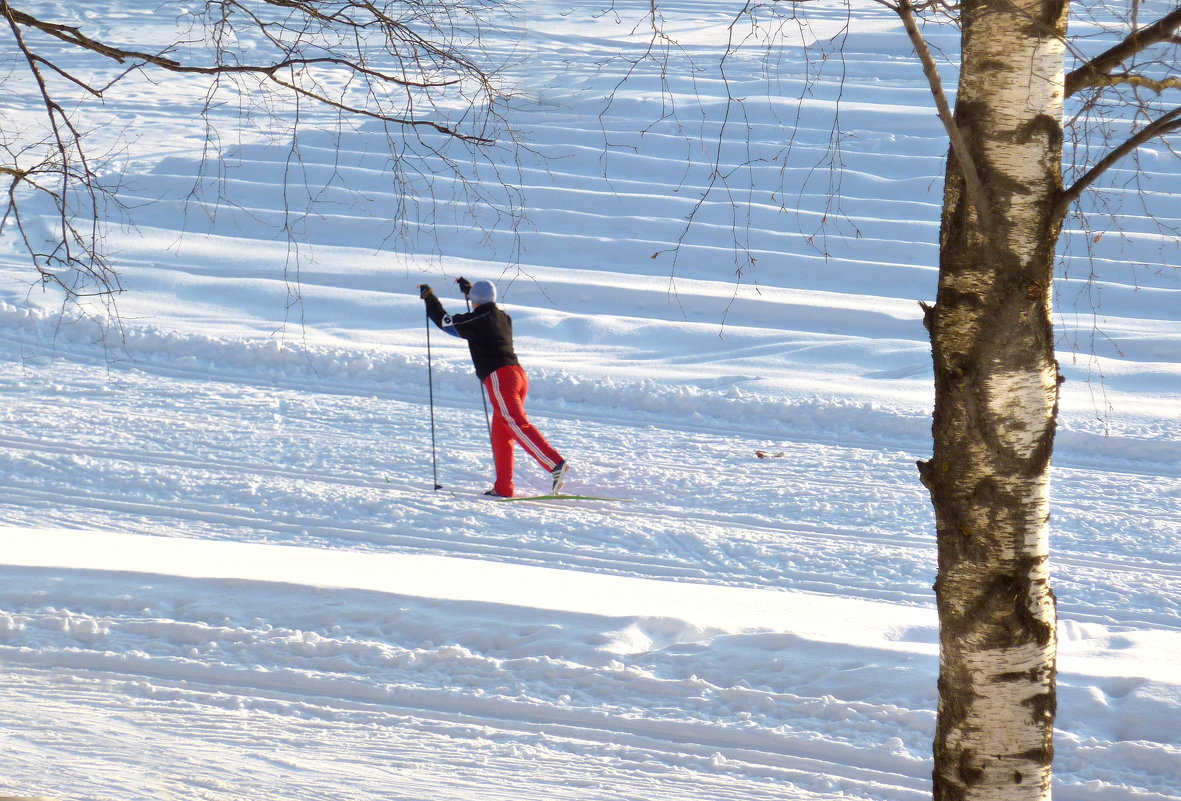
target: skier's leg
<point>507,388</point>
<point>501,434</point>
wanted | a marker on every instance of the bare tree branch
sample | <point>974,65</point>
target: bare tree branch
<point>291,65</point>
<point>1158,85</point>
<point>959,146</point>
<point>1098,71</point>
<point>74,249</point>
<point>1162,126</point>
<point>418,66</point>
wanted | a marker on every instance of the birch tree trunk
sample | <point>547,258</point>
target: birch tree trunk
<point>996,394</point>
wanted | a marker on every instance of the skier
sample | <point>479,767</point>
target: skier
<point>489,334</point>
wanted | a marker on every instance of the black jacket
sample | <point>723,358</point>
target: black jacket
<point>488,331</point>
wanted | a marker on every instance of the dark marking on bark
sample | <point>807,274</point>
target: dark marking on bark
<point>1038,631</point>
<point>970,770</point>
<point>1042,452</point>
<point>952,299</point>
<point>960,367</point>
<point>1001,616</point>
<point>985,492</point>
<point>1040,756</point>
<point>1021,675</point>
<point>1053,13</point>
<point>1042,706</point>
<point>967,111</point>
<point>1041,125</point>
<point>992,65</point>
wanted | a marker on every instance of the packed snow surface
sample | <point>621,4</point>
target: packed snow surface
<point>225,572</point>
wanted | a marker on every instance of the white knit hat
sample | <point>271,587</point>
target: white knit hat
<point>483,292</point>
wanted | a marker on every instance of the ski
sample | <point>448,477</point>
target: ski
<point>562,497</point>
<point>559,496</point>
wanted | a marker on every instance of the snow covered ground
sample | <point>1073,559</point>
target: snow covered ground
<point>224,573</point>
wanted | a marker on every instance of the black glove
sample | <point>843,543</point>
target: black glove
<point>424,291</point>
<point>465,286</point>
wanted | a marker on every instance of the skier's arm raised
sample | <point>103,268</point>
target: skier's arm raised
<point>435,310</point>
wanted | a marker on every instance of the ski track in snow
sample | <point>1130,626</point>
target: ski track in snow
<point>227,412</point>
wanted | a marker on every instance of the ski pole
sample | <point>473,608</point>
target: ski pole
<point>430,382</point>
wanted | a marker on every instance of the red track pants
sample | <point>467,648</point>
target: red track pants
<point>507,387</point>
